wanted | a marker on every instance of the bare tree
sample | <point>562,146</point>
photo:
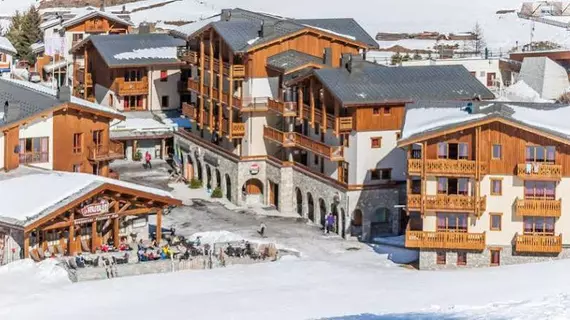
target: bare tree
<point>478,43</point>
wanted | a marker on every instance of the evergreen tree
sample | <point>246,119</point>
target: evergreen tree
<point>24,31</point>
<point>396,58</point>
<point>417,56</point>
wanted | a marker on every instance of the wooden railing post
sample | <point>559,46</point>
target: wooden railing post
<point>212,74</point>
<point>202,74</point>
<point>300,102</point>
<point>312,102</point>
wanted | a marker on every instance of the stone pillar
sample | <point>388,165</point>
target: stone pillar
<point>287,191</point>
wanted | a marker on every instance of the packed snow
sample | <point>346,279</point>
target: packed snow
<point>6,46</point>
<point>419,120</point>
<point>522,92</point>
<point>331,32</point>
<point>139,124</point>
<point>148,53</point>
<point>555,119</point>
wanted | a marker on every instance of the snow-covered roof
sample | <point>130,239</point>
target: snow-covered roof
<point>93,13</point>
<point>185,30</point>
<point>331,32</point>
<point>50,67</point>
<point>49,23</point>
<point>139,124</point>
<point>148,53</point>
<point>46,191</point>
<point>6,46</point>
<point>428,117</point>
<point>37,47</point>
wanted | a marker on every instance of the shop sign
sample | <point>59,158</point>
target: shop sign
<point>212,160</point>
<point>254,169</point>
<point>96,208</point>
<point>99,218</point>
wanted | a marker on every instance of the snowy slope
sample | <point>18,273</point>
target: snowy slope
<point>351,284</point>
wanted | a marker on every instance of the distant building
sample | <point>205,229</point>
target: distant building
<point>7,52</point>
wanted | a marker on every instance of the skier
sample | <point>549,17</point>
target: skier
<point>147,160</point>
<point>261,230</point>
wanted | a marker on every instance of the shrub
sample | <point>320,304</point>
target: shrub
<point>217,193</point>
<point>195,184</point>
<point>137,156</point>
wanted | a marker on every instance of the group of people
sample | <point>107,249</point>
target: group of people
<point>153,252</point>
<point>110,246</point>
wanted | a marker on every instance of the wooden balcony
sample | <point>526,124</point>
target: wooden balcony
<point>447,203</point>
<point>287,109</point>
<point>131,88</point>
<point>539,171</point>
<point>294,139</point>
<point>445,240</point>
<point>92,27</point>
<point>189,56</point>
<point>538,207</point>
<point>538,243</point>
<point>445,167</point>
<point>238,71</point>
<point>345,124</point>
<point>205,118</point>
<point>114,150</point>
<point>190,111</point>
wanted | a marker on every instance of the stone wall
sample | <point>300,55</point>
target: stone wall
<point>369,202</point>
<point>428,258</point>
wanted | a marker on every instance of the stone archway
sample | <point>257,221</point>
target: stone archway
<point>310,207</point>
<point>299,201</point>
<point>337,222</point>
<point>199,169</point>
<point>322,211</point>
<point>253,191</point>
<point>208,177</point>
<point>218,179</point>
<point>228,188</point>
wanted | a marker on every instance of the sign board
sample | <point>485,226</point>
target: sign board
<point>99,218</point>
<point>94,209</point>
<point>254,169</point>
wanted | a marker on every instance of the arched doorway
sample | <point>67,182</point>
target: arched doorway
<point>199,168</point>
<point>337,222</point>
<point>299,197</point>
<point>253,191</point>
<point>310,207</point>
<point>356,223</point>
<point>228,188</point>
<point>189,172</point>
<point>218,179</point>
<point>343,223</point>
<point>322,211</point>
<point>208,177</point>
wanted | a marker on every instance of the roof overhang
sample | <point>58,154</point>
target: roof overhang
<point>149,64</point>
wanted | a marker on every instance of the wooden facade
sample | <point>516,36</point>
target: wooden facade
<point>98,25</point>
<point>112,204</point>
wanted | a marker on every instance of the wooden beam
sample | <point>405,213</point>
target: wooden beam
<point>300,105</point>
<point>26,245</point>
<point>231,97</point>
<point>312,102</point>
<point>116,239</point>
<point>58,225</point>
<point>136,211</point>
<point>220,85</point>
<point>336,117</point>
<point>125,207</point>
<point>93,236</point>
<point>212,75</point>
<point>158,226</point>
<point>71,236</point>
<point>323,109</point>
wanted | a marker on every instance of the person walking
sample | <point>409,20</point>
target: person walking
<point>261,230</point>
<point>330,222</point>
<point>147,160</point>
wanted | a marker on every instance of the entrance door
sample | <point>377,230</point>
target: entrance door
<point>273,194</point>
<point>491,76</point>
<point>98,137</point>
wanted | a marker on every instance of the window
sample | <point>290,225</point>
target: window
<point>376,111</point>
<point>452,222</point>
<point>458,151</point>
<point>343,172</point>
<point>98,137</point>
<point>440,257</point>
<point>461,258</point>
<point>387,111</point>
<point>540,154</point>
<point>491,76</point>
<point>495,223</point>
<point>316,160</point>
<point>133,103</point>
<point>497,151</point>
<point>495,257</point>
<point>380,174</point>
<point>344,140</point>
<point>398,135</point>
<point>317,128</point>
<point>496,187</point>
<point>375,174</point>
<point>163,76</point>
<point>376,142</point>
<point>133,75</point>
<point>164,101</point>
<point>482,74</point>
<point>34,150</point>
<point>77,37</point>
<point>77,168</point>
<point>77,142</point>
<point>452,186</point>
<point>539,190</point>
<point>539,225</point>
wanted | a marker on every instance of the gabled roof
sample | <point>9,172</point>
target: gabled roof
<point>369,83</point>
<point>51,190</point>
<point>426,119</point>
<point>88,14</point>
<point>291,60</point>
<point>26,100</point>
<point>135,49</point>
<point>6,46</point>
<point>241,31</point>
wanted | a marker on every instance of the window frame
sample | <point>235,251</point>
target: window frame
<point>492,251</point>
<point>441,257</point>
<point>163,75</point>
<point>493,156</point>
<point>376,111</point>
<point>494,215</point>
<point>462,262</point>
<point>78,147</point>
<point>386,111</point>
<point>375,174</point>
<point>162,104</point>
<point>41,156</point>
<point>78,166</point>
<point>456,216</point>
<point>379,145</point>
<point>500,181</point>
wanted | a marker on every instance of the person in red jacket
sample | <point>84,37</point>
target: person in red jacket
<point>147,160</point>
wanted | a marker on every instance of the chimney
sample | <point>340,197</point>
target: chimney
<point>266,29</point>
<point>345,60</point>
<point>144,28</point>
<point>327,57</point>
<point>64,94</point>
<point>102,8</point>
<point>226,14</point>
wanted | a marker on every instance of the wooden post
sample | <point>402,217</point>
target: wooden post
<point>231,99</point>
<point>201,68</point>
<point>300,102</point>
<point>312,102</point>
<point>323,110</point>
<point>93,236</point>
<point>85,71</point>
<point>212,75</point>
<point>71,235</point>
<point>44,240</point>
<point>220,86</point>
<point>423,176</point>
<point>336,118</point>
<point>158,226</point>
<point>163,148</point>
<point>116,239</point>
<point>26,245</point>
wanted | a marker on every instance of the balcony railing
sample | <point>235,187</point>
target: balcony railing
<point>443,202</point>
<point>114,150</point>
<point>238,71</point>
<point>287,109</point>
<point>188,56</point>
<point>539,171</point>
<point>294,139</point>
<point>445,240</point>
<point>345,124</point>
<point>189,111</point>
<point>446,167</point>
<point>91,26</point>
<point>538,207</point>
<point>538,243</point>
<point>130,88</point>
